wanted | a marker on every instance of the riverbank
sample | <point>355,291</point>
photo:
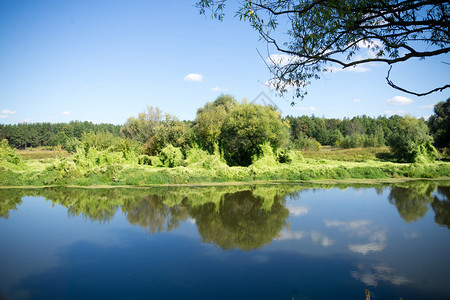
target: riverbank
<point>66,172</point>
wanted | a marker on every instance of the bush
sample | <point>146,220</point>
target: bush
<point>8,154</point>
<point>171,156</point>
<point>198,158</point>
<point>144,160</point>
<point>266,157</point>
<point>306,143</point>
<point>71,144</point>
<point>289,156</point>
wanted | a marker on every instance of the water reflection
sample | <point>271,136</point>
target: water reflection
<point>151,213</point>
<point>294,236</point>
<point>441,206</point>
<point>242,220</point>
<point>244,217</point>
<point>412,200</point>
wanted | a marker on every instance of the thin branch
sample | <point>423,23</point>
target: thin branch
<point>439,89</point>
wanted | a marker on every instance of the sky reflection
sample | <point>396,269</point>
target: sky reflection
<point>267,242</point>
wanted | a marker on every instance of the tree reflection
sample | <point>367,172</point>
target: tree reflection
<point>242,221</point>
<point>150,212</point>
<point>412,200</point>
<point>9,200</point>
<point>98,205</point>
<point>441,206</point>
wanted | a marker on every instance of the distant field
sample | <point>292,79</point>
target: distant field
<point>353,154</point>
<point>41,154</point>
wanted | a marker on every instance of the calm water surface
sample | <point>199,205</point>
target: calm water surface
<point>242,242</point>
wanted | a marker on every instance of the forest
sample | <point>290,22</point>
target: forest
<point>228,141</point>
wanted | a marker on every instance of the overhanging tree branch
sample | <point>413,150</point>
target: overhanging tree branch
<point>324,34</point>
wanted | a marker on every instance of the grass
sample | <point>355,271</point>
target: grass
<point>41,153</point>
<point>41,167</point>
<point>352,154</point>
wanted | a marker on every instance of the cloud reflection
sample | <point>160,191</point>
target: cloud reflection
<point>291,235</point>
<point>372,274</point>
<point>323,239</point>
<point>362,228</point>
<point>315,236</point>
<point>297,210</point>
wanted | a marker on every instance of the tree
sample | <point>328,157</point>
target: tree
<point>439,124</point>
<point>323,35</point>
<point>209,120</point>
<point>247,127</point>
<point>410,141</point>
<point>155,130</point>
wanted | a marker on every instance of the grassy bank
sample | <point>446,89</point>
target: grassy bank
<point>103,168</point>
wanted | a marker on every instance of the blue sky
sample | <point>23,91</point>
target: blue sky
<point>105,61</point>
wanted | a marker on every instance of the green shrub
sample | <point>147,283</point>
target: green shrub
<point>156,161</point>
<point>171,156</point>
<point>266,157</point>
<point>305,143</point>
<point>197,158</point>
<point>144,159</point>
<point>8,154</point>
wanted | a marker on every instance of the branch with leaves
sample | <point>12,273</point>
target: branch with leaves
<point>323,35</point>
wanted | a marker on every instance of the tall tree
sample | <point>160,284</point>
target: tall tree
<point>324,35</point>
<point>247,127</point>
<point>439,124</point>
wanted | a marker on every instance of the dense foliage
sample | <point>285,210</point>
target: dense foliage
<point>440,124</point>
<point>25,135</point>
<point>224,133</point>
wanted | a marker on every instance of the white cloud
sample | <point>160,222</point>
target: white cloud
<point>27,120</point>
<point>369,44</point>
<point>297,210</point>
<point>399,100</point>
<point>219,89</point>
<point>357,100</point>
<point>195,77</point>
<point>355,69</point>
<point>305,108</point>
<point>8,112</point>
<point>431,106</point>
<point>4,117</point>
<point>65,113</point>
<point>282,59</point>
<point>394,112</point>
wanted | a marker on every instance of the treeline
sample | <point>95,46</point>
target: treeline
<point>26,135</point>
<point>239,133</point>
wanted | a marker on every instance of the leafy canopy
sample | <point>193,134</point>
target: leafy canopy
<point>324,35</point>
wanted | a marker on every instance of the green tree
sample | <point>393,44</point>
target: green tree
<point>246,128</point>
<point>210,118</point>
<point>439,124</point>
<point>155,130</point>
<point>410,141</point>
<point>324,35</point>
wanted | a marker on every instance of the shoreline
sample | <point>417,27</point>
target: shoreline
<point>350,181</point>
